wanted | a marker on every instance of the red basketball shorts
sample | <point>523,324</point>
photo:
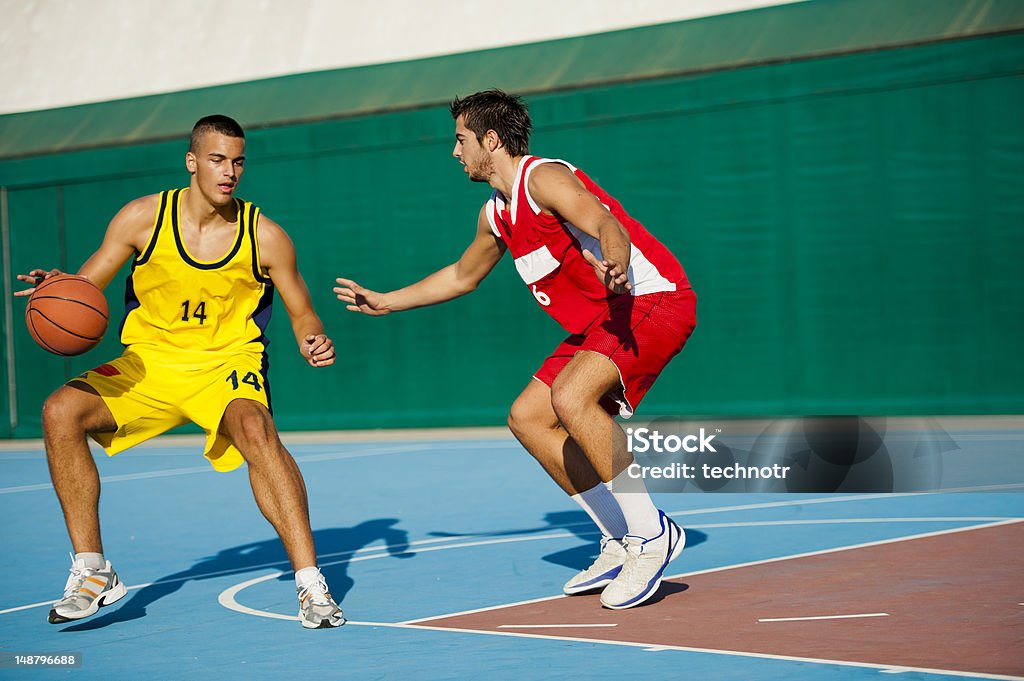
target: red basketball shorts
<point>639,334</point>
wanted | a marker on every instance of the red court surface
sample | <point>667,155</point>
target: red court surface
<point>951,600</point>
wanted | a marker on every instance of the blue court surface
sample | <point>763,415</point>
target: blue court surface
<point>406,529</point>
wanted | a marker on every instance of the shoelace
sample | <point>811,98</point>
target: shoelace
<point>633,553</point>
<point>316,591</point>
<point>75,579</point>
<point>605,555</point>
<point>634,548</point>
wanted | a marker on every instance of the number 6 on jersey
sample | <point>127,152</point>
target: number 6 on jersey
<point>542,298</point>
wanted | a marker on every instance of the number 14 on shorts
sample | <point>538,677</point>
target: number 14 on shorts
<point>250,379</point>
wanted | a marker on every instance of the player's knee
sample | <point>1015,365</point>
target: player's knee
<point>565,402</point>
<point>62,411</point>
<point>250,426</point>
<point>526,416</point>
<point>518,419</point>
<point>55,411</point>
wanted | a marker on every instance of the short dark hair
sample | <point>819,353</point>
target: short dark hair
<point>214,123</point>
<point>499,111</point>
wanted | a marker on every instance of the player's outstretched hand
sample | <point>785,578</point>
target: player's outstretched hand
<point>318,350</point>
<point>359,299</point>
<point>35,278</point>
<point>611,275</point>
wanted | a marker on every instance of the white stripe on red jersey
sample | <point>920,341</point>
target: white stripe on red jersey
<point>548,252</point>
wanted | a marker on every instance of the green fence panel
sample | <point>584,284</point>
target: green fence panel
<point>853,226</point>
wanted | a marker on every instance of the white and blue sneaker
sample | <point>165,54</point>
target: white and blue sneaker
<point>646,560</point>
<point>602,572</point>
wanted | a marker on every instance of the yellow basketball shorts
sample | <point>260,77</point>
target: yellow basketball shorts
<point>149,393</point>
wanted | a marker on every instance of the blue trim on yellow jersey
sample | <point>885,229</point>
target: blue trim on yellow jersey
<point>131,301</point>
<point>256,270</point>
<point>265,373</point>
<point>201,265</point>
<point>144,257</point>
<point>261,315</point>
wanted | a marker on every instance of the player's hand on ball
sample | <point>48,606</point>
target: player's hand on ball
<point>612,275</point>
<point>35,277</point>
<point>359,299</point>
<point>318,350</point>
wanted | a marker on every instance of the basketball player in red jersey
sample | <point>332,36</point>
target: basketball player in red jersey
<point>621,295</point>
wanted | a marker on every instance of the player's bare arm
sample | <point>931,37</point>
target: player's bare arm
<point>127,234</point>
<point>557,191</point>
<point>278,261</point>
<point>457,279</point>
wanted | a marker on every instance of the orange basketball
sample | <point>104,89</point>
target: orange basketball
<point>67,315</point>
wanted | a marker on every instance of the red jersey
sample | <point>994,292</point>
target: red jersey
<point>548,252</point>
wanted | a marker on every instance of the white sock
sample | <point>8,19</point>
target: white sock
<point>640,513</point>
<point>603,509</point>
<point>93,561</point>
<point>305,576</point>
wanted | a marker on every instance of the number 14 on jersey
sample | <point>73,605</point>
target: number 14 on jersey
<point>198,312</point>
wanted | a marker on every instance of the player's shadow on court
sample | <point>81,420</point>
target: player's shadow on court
<point>664,591</point>
<point>335,549</point>
<point>579,524</point>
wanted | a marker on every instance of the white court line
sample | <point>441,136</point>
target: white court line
<point>369,553</point>
<point>171,472</point>
<point>421,446</point>
<point>302,458</point>
<point>852,521</point>
<point>553,626</point>
<point>883,542</point>
<point>227,599</point>
<point>765,561</point>
<point>823,617</point>
<point>888,668</point>
<point>853,497</point>
<point>116,478</point>
<point>884,668</point>
<point>385,551</point>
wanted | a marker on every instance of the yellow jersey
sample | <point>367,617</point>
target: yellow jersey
<point>176,303</point>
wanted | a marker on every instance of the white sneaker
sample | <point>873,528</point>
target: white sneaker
<point>646,560</point>
<point>317,610</point>
<point>86,591</point>
<point>602,572</point>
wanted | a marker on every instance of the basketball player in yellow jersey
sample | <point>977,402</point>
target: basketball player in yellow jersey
<point>203,276</point>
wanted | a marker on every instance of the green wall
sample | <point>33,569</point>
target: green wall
<point>853,224</point>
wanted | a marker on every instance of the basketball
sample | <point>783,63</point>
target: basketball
<point>67,315</point>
